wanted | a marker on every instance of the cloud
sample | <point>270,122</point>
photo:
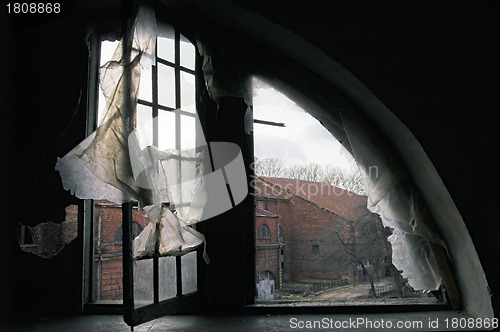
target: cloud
<point>302,140</point>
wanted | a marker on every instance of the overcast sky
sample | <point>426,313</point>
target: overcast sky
<point>303,140</point>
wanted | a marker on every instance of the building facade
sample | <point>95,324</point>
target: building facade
<point>314,232</point>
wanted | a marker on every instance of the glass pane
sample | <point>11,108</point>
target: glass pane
<point>167,277</point>
<point>145,125</point>
<point>143,282</point>
<point>166,130</point>
<point>188,92</point>
<point>166,86</point>
<point>188,271</point>
<point>187,53</point>
<point>165,48</point>
<point>145,85</point>
<point>188,133</point>
<point>107,50</point>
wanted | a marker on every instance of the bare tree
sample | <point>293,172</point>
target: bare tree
<point>308,172</point>
<point>350,248</point>
<point>346,179</point>
<point>272,167</point>
<point>364,246</point>
<point>339,177</point>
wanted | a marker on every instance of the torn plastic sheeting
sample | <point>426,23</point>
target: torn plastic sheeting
<point>394,199</point>
<point>173,239</point>
<point>177,177</point>
<point>423,271</point>
<point>183,178</point>
<point>99,167</point>
<point>192,197</point>
<point>160,172</point>
<point>81,181</point>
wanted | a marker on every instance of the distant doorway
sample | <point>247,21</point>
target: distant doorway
<point>266,290</point>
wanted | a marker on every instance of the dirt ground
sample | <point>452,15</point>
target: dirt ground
<point>354,294</point>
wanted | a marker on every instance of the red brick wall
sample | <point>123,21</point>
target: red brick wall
<point>111,221</point>
<point>111,279</point>
<point>306,225</point>
<point>108,258</point>
<point>267,249</point>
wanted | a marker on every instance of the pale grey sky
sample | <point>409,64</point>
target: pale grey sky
<point>303,140</point>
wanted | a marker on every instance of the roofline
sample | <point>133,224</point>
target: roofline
<point>349,193</point>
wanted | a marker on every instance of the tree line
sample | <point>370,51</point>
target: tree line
<point>350,180</point>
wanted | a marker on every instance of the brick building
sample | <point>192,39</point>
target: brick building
<point>108,248</point>
<point>311,231</point>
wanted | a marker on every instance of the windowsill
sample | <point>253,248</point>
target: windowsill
<point>383,302</point>
<point>346,308</point>
<point>415,321</point>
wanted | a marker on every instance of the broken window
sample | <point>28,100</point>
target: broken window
<point>320,201</point>
<point>49,238</point>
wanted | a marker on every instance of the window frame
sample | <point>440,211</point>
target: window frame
<point>250,307</point>
<point>181,301</point>
<point>172,304</point>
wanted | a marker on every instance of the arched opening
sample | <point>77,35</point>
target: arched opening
<point>264,231</point>
<point>266,286</point>
<point>136,230</point>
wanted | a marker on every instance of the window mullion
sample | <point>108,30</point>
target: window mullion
<point>177,92</point>
<point>154,77</point>
<point>177,59</point>
<point>154,88</point>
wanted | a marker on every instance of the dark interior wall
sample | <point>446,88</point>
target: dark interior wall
<point>44,114</point>
<point>435,66</point>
